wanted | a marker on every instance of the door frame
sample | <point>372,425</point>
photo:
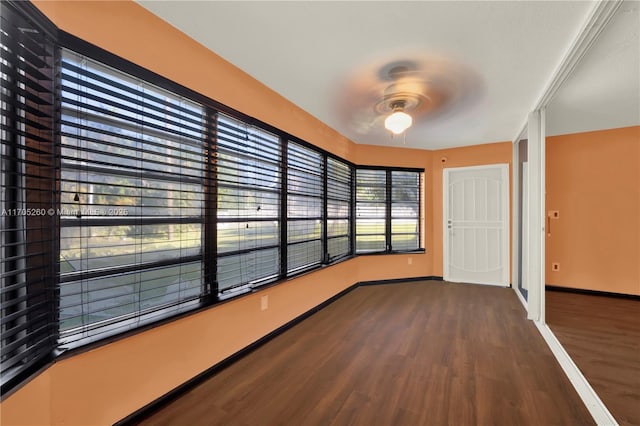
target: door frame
<point>525,226</point>
<point>516,222</point>
<point>504,174</point>
<point>536,215</point>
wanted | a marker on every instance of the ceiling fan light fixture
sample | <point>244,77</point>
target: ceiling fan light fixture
<point>398,121</point>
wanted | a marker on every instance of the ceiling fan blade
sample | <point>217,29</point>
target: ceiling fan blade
<point>428,87</point>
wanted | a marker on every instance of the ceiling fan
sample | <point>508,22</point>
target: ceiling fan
<point>392,95</point>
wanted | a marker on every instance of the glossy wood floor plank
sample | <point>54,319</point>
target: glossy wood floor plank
<point>602,336</point>
<point>423,353</point>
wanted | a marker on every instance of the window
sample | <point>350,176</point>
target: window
<point>27,193</point>
<point>131,200</point>
<point>388,210</point>
<point>338,206</point>
<point>405,210</point>
<point>305,191</point>
<point>371,210</point>
<point>248,220</point>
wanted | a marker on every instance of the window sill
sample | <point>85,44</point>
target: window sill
<point>382,253</point>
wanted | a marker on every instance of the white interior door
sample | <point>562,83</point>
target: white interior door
<point>476,224</point>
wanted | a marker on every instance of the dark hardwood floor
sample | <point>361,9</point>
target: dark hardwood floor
<point>422,353</point>
<point>602,336</point>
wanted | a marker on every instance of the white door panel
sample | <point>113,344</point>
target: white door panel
<point>475,224</point>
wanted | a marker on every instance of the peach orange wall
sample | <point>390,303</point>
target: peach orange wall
<point>476,155</point>
<point>130,31</point>
<point>593,181</point>
<point>106,384</point>
<point>375,155</point>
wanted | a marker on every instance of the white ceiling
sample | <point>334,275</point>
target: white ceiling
<point>603,92</point>
<point>307,51</point>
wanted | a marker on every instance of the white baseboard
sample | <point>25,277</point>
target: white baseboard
<point>592,401</point>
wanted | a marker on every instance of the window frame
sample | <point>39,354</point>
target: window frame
<point>350,235</point>
<point>249,130</point>
<point>388,234</point>
<point>419,213</point>
<point>82,91</point>
<point>308,185</point>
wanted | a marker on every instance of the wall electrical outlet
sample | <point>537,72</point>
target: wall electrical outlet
<point>555,266</point>
<point>555,214</point>
<point>410,261</point>
<point>264,303</point>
